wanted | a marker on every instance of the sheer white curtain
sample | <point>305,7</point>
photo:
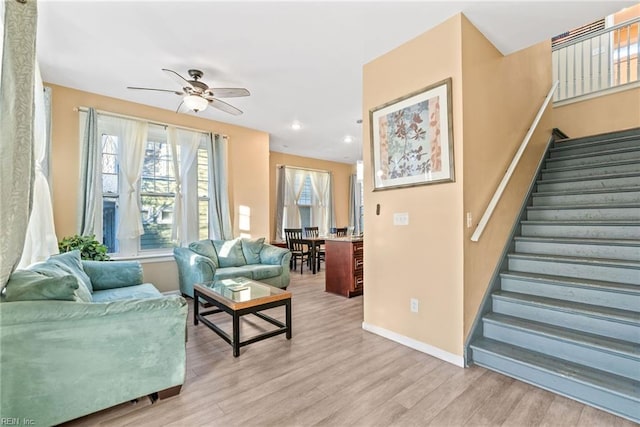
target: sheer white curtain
<point>294,182</point>
<point>132,152</point>
<point>41,240</point>
<point>321,200</point>
<point>184,148</point>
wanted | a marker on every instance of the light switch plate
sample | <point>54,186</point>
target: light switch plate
<point>401,218</point>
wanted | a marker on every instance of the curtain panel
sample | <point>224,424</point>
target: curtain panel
<point>16,130</point>
<point>90,197</point>
<point>41,240</point>
<point>220,216</point>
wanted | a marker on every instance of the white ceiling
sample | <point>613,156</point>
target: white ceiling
<point>300,60</point>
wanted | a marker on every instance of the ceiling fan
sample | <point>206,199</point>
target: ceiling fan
<point>197,96</point>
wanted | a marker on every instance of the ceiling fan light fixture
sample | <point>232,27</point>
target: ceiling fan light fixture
<point>195,103</point>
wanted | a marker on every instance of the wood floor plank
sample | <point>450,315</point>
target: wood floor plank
<point>333,373</point>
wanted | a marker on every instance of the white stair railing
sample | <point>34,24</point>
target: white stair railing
<point>512,167</point>
<point>597,61</point>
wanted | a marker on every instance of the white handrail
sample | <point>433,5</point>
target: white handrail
<point>512,167</point>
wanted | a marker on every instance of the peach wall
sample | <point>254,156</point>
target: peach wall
<point>605,113</point>
<point>502,95</point>
<point>248,151</point>
<point>421,260</point>
<point>340,173</point>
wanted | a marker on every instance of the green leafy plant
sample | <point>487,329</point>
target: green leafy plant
<point>90,248</point>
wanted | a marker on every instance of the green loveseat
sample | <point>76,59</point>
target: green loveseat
<point>81,336</point>
<point>206,260</point>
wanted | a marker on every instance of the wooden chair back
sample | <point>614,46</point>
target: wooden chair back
<point>311,232</point>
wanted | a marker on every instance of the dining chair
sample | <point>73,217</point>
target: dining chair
<point>339,231</point>
<point>320,253</point>
<point>299,249</point>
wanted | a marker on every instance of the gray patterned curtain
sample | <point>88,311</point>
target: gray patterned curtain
<point>220,217</point>
<point>16,130</point>
<point>89,176</point>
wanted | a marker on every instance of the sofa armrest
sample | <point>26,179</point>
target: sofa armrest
<point>274,255</point>
<point>192,268</point>
<point>80,358</point>
<point>113,274</point>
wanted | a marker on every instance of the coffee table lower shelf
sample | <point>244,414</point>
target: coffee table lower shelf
<point>236,313</point>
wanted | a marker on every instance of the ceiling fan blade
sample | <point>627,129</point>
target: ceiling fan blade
<point>182,108</point>
<point>229,92</point>
<point>223,106</point>
<point>158,90</point>
<point>178,78</point>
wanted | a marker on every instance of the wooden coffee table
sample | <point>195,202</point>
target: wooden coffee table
<point>238,297</point>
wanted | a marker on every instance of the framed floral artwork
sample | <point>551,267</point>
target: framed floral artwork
<point>412,139</point>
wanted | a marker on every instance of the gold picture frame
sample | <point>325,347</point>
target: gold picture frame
<point>412,139</point>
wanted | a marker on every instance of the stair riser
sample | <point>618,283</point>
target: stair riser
<point>590,184</point>
<point>589,160</point>
<point>564,385</point>
<point>612,299</point>
<point>629,276</point>
<point>586,231</point>
<point>570,150</point>
<point>587,198</point>
<point>591,171</point>
<point>630,253</point>
<point>556,347</point>
<point>571,320</point>
<point>584,214</point>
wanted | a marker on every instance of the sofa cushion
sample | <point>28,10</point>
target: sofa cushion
<point>62,265</point>
<point>205,248</point>
<point>146,290</point>
<point>229,253</point>
<point>68,263</point>
<point>231,272</point>
<point>251,250</point>
<point>25,285</point>
<point>262,271</point>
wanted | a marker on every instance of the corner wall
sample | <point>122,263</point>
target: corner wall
<point>502,95</point>
<point>495,99</point>
<point>424,259</point>
<point>248,151</point>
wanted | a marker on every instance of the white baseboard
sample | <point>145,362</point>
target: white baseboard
<point>171,293</point>
<point>414,344</point>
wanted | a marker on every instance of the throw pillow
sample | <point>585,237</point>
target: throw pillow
<point>25,285</point>
<point>251,250</point>
<point>229,253</point>
<point>205,248</point>
<point>65,264</point>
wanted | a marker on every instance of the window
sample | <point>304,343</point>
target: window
<point>157,192</point>
<point>305,202</point>
<point>157,189</point>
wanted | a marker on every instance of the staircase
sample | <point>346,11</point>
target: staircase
<point>564,314</point>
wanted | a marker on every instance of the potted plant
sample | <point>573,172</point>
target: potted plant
<point>90,248</point>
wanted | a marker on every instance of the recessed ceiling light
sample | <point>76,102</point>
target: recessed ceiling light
<point>348,139</point>
<point>296,126</point>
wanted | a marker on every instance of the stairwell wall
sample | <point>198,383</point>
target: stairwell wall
<point>594,115</point>
<point>502,95</point>
<point>495,99</point>
<point>423,259</point>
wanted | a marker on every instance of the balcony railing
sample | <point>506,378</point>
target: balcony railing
<point>598,61</point>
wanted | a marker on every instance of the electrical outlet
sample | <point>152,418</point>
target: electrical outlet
<point>469,220</point>
<point>415,305</point>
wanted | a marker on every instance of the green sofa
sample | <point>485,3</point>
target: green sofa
<point>81,336</point>
<point>206,260</point>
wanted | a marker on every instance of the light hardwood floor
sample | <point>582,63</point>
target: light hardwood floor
<point>332,373</point>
